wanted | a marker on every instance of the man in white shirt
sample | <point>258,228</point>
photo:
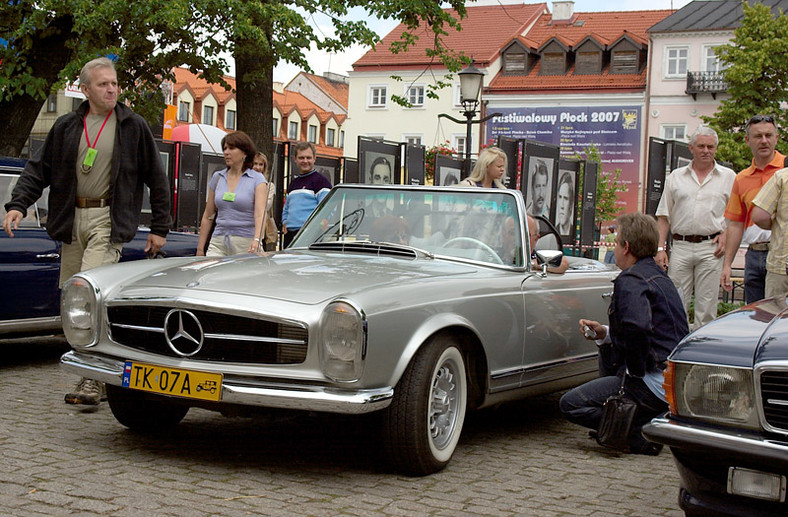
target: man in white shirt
<point>692,210</point>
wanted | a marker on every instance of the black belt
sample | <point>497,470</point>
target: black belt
<point>759,246</point>
<point>694,238</point>
<point>86,202</point>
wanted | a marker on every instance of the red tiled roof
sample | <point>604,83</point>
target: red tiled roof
<point>606,27</point>
<point>533,82</point>
<point>484,32</point>
<point>200,87</point>
<point>336,90</point>
<point>286,102</point>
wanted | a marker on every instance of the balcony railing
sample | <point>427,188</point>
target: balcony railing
<point>706,82</point>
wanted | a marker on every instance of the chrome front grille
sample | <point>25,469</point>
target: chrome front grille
<point>774,394</point>
<point>227,338</point>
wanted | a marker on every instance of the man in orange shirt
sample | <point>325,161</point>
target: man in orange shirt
<point>761,135</point>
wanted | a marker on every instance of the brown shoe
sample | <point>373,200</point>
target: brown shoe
<point>87,392</point>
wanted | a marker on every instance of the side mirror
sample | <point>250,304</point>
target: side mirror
<point>548,258</point>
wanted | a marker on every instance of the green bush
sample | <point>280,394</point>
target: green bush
<point>722,308</point>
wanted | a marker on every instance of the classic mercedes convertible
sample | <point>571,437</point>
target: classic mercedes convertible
<point>417,303</point>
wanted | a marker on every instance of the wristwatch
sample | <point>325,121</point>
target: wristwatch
<point>660,248</point>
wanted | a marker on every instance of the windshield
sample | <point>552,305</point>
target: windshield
<point>476,224</point>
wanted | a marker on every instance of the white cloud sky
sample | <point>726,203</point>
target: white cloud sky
<point>342,62</point>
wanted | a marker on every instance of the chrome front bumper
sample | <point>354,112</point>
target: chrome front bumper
<point>250,392</point>
<point>729,443</point>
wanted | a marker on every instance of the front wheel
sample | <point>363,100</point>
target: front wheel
<point>423,423</point>
<point>144,413</point>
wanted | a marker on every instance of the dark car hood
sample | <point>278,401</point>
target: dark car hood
<point>755,333</point>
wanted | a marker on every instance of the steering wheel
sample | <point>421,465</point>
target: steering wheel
<point>479,245</point>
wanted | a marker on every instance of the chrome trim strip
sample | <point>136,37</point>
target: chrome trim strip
<point>251,392</point>
<point>239,337</point>
<point>137,327</point>
<point>230,337</point>
<point>31,325</point>
<point>681,435</point>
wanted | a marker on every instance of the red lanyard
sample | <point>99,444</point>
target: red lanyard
<point>87,138</point>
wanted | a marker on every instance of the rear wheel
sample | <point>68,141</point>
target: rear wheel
<point>142,412</point>
<point>424,421</point>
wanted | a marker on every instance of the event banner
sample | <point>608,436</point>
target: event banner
<point>614,130</point>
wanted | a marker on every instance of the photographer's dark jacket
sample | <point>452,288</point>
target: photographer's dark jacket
<point>135,163</point>
<point>647,318</point>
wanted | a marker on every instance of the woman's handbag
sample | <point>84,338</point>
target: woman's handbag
<point>617,416</point>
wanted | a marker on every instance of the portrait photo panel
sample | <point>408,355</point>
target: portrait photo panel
<point>379,162</point>
<point>538,178</point>
<point>566,200</point>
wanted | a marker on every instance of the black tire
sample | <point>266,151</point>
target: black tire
<point>142,412</point>
<point>422,425</point>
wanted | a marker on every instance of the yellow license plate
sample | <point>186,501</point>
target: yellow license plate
<point>172,381</point>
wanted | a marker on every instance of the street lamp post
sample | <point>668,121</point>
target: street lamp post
<point>471,80</point>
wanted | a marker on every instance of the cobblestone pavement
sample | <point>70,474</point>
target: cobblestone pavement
<point>517,459</point>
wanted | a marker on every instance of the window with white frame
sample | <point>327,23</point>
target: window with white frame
<point>674,132</point>
<point>711,63</point>
<point>415,95</point>
<point>342,139</point>
<point>377,96</point>
<point>458,142</point>
<point>292,131</point>
<point>207,115</point>
<point>456,99</point>
<point>276,127</point>
<point>184,108</point>
<point>229,119</point>
<point>412,139</point>
<point>312,133</point>
<point>330,136</point>
<point>676,61</point>
<point>52,103</point>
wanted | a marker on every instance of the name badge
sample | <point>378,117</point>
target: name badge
<point>228,196</point>
<point>90,159</point>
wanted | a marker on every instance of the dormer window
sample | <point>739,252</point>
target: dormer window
<point>589,57</point>
<point>554,58</point>
<point>514,62</point>
<point>624,62</point>
<point>553,63</point>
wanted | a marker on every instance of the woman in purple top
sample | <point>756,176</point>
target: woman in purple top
<point>237,198</point>
<point>489,169</point>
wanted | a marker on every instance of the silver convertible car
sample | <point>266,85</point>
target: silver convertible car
<point>417,303</point>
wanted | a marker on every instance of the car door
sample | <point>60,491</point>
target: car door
<point>29,263</point>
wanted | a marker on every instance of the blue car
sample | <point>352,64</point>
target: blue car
<point>727,386</point>
<point>30,263</point>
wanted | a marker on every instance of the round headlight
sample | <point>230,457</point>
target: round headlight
<point>79,312</point>
<point>343,337</point>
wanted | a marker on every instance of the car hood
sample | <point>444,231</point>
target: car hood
<point>755,333</point>
<point>298,276</point>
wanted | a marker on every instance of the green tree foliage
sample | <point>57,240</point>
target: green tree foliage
<point>608,186</point>
<point>757,77</point>
<point>49,40</point>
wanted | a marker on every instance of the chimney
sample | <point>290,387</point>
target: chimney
<point>563,11</point>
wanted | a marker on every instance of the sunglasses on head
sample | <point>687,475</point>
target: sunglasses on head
<point>757,119</point>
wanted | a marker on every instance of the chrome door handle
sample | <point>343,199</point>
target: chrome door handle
<point>607,295</point>
<point>48,256</point>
